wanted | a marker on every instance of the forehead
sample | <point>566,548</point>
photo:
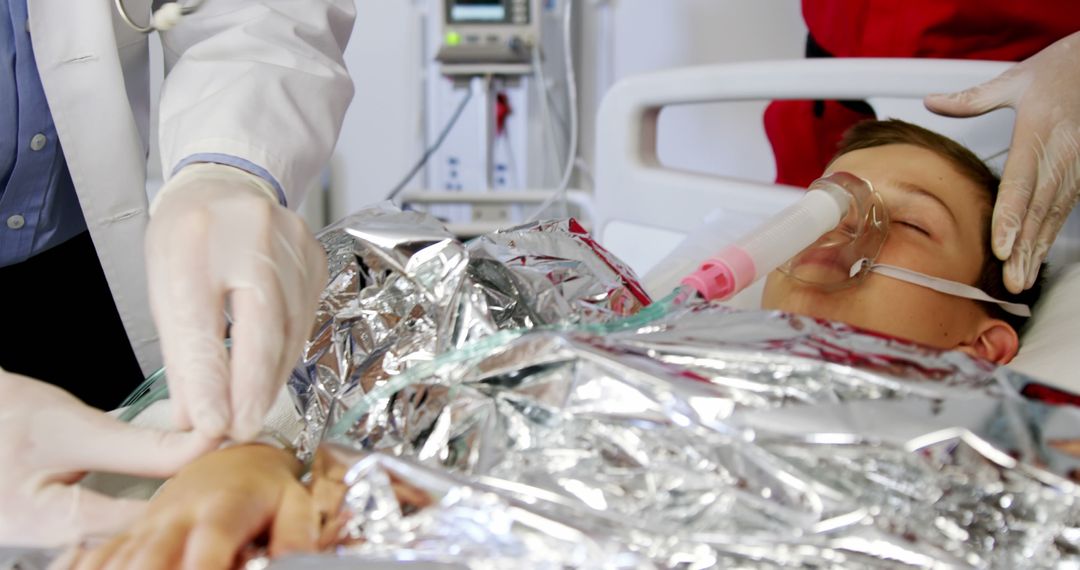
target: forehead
<point>888,167</point>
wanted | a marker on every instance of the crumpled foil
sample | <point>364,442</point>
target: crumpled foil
<point>516,401</point>
<point>403,290</point>
<point>508,403</point>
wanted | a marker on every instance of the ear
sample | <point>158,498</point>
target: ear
<point>996,341</point>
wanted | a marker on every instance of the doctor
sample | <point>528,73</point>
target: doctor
<point>251,106</point>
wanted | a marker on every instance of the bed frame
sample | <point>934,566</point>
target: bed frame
<point>641,208</point>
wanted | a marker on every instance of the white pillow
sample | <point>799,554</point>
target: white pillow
<point>1050,347</point>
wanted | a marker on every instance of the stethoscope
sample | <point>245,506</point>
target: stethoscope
<point>164,18</point>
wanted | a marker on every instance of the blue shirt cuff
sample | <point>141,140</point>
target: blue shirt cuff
<point>245,165</point>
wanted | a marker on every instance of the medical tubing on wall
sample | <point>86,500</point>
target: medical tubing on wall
<point>792,230</point>
<point>434,146</point>
<point>571,96</point>
<point>551,156</point>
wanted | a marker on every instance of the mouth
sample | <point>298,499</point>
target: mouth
<point>820,263</point>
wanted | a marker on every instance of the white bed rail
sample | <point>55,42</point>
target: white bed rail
<point>626,155</point>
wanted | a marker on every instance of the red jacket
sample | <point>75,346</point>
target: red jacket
<point>804,135</point>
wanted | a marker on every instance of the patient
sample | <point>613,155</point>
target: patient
<point>939,197</point>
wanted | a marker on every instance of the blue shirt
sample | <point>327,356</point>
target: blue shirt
<point>38,205</point>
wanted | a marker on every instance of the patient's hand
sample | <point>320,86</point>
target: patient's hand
<point>205,516</point>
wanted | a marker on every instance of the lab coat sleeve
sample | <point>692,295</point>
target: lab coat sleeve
<point>263,81</point>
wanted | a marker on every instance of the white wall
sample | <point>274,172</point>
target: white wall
<point>649,35</point>
<point>384,130</point>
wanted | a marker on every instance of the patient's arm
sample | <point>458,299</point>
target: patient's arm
<point>205,516</point>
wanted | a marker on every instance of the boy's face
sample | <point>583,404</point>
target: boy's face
<point>937,226</point>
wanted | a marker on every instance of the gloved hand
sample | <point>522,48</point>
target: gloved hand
<point>1041,181</point>
<point>48,440</point>
<point>217,234</point>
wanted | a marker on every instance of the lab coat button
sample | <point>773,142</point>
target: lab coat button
<point>38,142</point>
<point>15,222</point>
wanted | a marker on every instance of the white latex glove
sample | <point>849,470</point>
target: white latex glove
<point>1041,181</point>
<point>49,440</point>
<point>218,233</point>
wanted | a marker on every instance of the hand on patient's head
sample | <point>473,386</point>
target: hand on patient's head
<point>939,198</point>
<point>1039,184</point>
<point>212,511</point>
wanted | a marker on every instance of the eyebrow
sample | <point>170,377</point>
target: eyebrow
<point>910,188</point>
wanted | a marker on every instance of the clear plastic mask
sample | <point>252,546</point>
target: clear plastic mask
<point>828,262</point>
<point>845,256</point>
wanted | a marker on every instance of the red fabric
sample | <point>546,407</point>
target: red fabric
<point>1050,395</point>
<point>502,112</point>
<point>802,142</point>
<point>1003,30</point>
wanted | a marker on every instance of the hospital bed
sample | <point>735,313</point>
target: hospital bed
<point>643,209</point>
<point>632,210</point>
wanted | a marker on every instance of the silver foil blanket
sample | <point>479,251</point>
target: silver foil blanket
<point>495,405</point>
<point>402,290</point>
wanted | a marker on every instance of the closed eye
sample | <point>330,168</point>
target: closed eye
<point>914,227</point>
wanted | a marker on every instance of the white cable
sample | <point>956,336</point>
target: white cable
<point>434,146</point>
<point>561,120</point>
<point>583,169</point>
<point>122,11</point>
<point>571,95</point>
<point>511,161</point>
<point>512,168</point>
<point>552,154</point>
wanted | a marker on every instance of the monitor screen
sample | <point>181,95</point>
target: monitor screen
<point>464,11</point>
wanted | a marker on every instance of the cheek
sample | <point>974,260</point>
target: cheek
<point>947,262</point>
<point>902,254</point>
<point>781,293</point>
<point>845,305</point>
<point>915,313</point>
<point>879,304</point>
<point>775,290</point>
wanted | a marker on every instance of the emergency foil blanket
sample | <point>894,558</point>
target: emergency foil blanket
<point>512,402</point>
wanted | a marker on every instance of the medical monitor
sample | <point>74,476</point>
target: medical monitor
<point>487,11</point>
<point>488,37</point>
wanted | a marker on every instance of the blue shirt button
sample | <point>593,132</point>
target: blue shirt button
<point>15,222</point>
<point>38,142</point>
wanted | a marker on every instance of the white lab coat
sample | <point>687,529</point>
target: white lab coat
<point>262,80</point>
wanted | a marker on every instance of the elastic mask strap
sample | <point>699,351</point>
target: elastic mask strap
<point>942,286</point>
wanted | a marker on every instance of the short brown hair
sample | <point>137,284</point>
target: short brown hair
<point>873,133</point>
